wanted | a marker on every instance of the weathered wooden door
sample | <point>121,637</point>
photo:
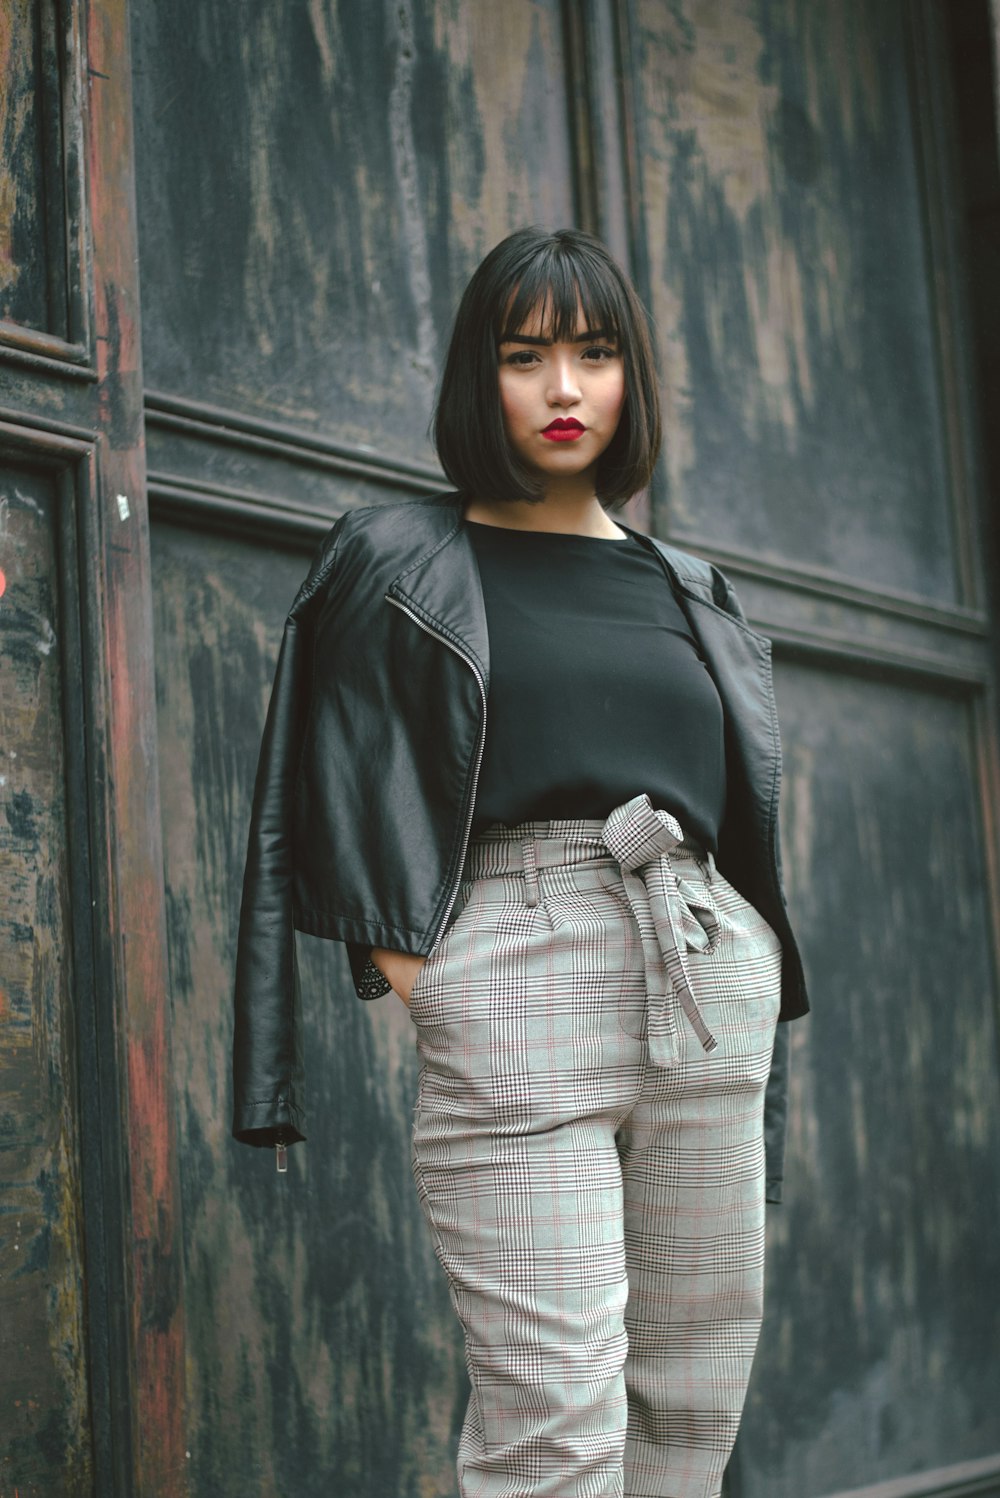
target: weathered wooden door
<point>314,182</point>
<point>795,197</point>
<point>312,199</point>
<point>91,1352</point>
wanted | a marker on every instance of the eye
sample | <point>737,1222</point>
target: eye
<point>600,353</point>
<point>522,359</point>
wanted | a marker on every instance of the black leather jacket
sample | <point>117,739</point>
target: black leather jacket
<point>367,776</point>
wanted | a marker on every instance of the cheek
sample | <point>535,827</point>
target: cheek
<point>511,409</point>
<point>616,397</point>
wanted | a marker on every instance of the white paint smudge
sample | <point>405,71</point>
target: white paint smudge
<point>48,638</point>
<point>328,43</point>
<point>28,502</point>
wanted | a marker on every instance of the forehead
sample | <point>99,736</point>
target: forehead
<point>542,318</point>
<point>542,321</point>
<point>557,309</point>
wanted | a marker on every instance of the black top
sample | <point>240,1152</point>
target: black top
<point>597,690</point>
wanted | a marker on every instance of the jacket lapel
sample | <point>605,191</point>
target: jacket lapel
<point>739,660</point>
<point>740,663</point>
<point>443,590</point>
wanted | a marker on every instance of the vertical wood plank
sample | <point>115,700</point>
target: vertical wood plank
<point>600,109</point>
<point>995,13</point>
<point>45,1419</point>
<point>131,878</point>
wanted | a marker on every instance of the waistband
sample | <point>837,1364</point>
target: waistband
<point>651,851</point>
<point>559,843</point>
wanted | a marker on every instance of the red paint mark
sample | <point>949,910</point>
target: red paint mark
<point>3,584</point>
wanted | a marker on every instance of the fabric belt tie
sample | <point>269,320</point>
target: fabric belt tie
<point>641,840</point>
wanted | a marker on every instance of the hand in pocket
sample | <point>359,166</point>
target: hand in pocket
<point>398,968</point>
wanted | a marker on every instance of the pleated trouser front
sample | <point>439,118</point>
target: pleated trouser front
<point>595,1033</point>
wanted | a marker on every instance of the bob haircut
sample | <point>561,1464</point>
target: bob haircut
<point>529,269</point>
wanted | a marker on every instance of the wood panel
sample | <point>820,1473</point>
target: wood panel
<point>977,1479</point>
<point>72,410</point>
<point>313,199</point>
<point>878,1355</point>
<point>44,1396</point>
<point>127,861</point>
<point>43,305</point>
<point>203,460</point>
<point>323,1354</point>
<point>780,187</point>
<point>26,252</point>
<point>352,165</point>
<point>793,200</point>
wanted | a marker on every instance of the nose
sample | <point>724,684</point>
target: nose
<point>564,388</point>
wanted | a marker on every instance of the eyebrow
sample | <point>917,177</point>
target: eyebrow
<point>588,337</point>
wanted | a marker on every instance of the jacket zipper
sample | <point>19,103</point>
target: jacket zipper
<point>462,655</point>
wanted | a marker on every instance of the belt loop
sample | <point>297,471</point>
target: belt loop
<point>529,854</point>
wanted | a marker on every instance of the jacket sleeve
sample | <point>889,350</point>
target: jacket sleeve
<point>268,1098</point>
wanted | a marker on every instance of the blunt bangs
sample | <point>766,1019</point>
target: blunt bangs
<point>559,285</point>
<point>559,274</point>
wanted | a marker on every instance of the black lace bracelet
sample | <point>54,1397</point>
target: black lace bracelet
<point>372,983</point>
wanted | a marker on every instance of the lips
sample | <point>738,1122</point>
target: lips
<point>563,429</point>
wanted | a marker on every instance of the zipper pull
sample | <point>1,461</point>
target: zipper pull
<point>281,1158</point>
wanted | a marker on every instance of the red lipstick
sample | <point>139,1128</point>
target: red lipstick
<point>563,429</point>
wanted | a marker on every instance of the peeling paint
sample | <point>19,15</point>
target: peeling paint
<point>46,639</point>
<point>318,1278</point>
<point>409,196</point>
<point>44,1408</point>
<point>878,1255</point>
<point>23,247</point>
<point>781,198</point>
<point>336,164</point>
<point>323,19</point>
<point>318,247</point>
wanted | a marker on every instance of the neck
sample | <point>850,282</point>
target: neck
<point>574,511</point>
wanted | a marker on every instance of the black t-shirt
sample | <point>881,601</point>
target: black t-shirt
<point>597,690</point>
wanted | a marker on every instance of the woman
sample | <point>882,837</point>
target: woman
<point>523,760</point>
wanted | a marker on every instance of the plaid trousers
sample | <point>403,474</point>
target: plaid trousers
<point>595,1032</point>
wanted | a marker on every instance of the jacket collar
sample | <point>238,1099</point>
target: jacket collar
<point>443,590</point>
<point>442,587</point>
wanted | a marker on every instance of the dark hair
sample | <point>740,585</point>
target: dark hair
<point>555,271</point>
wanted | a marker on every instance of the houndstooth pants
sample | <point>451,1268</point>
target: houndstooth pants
<point>595,1033</point>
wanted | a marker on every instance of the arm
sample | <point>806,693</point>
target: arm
<point>268,1099</point>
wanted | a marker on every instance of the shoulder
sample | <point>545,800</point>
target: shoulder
<point>704,580</point>
<point>384,537</point>
<point>403,526</point>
